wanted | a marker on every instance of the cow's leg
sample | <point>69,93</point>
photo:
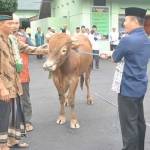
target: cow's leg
<point>87,83</point>
<point>71,97</point>
<point>61,119</point>
<point>61,91</point>
<point>66,103</point>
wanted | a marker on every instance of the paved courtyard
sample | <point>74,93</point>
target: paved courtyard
<point>100,129</point>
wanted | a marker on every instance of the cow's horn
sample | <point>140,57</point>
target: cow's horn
<point>75,41</point>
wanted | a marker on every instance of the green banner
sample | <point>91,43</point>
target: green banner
<point>100,18</point>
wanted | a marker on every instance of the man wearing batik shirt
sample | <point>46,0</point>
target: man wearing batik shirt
<point>20,43</point>
<point>9,78</point>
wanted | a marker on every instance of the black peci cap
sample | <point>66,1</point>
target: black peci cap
<point>134,11</point>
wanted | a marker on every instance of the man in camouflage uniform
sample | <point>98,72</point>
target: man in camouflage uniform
<point>20,45</point>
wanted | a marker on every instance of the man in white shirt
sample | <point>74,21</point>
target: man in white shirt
<point>65,30</point>
<point>114,39</point>
<point>49,33</point>
<point>95,37</point>
<point>77,31</point>
<point>83,31</point>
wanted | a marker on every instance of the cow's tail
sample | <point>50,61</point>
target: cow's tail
<point>81,81</point>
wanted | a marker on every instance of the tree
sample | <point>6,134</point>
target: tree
<point>9,6</point>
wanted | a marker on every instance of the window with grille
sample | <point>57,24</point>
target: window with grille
<point>99,2</point>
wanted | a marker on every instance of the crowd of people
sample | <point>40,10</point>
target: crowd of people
<point>15,47</point>
<point>94,36</point>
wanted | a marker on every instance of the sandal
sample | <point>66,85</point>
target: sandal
<point>19,145</point>
<point>29,127</point>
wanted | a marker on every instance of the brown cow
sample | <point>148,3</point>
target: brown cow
<point>67,63</point>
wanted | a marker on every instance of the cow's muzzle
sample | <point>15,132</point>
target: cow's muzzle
<point>49,66</point>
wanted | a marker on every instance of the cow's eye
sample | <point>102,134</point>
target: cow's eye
<point>63,51</point>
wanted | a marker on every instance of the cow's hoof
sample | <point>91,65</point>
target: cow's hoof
<point>90,101</point>
<point>74,124</point>
<point>61,120</point>
<point>66,103</point>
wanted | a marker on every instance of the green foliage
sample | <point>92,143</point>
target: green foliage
<point>8,5</point>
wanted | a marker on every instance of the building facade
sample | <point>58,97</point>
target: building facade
<point>27,9</point>
<point>79,12</point>
<point>106,14</point>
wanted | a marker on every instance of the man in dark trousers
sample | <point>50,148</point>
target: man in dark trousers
<point>134,48</point>
<point>10,86</point>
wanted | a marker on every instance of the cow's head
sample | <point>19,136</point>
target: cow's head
<point>59,47</point>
